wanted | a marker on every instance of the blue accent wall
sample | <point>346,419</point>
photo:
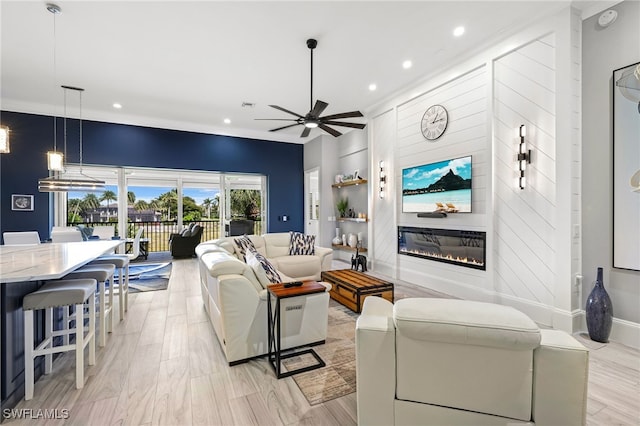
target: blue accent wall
<point>126,145</point>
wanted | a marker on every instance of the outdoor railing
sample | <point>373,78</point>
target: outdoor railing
<point>158,233</point>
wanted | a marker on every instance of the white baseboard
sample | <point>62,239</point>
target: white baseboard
<point>622,331</point>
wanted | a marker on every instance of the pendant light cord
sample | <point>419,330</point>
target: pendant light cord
<point>55,79</point>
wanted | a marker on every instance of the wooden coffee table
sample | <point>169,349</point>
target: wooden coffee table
<point>350,287</point>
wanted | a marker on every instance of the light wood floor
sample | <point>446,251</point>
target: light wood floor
<point>163,365</point>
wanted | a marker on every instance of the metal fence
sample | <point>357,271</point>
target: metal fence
<point>158,233</point>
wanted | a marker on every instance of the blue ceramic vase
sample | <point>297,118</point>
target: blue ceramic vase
<point>599,311</point>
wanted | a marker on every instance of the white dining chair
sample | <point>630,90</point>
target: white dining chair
<point>65,235</point>
<point>135,245</point>
<point>21,238</point>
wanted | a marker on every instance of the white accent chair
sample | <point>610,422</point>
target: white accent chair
<point>458,362</point>
<point>21,238</point>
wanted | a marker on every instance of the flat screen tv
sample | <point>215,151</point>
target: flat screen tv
<point>444,186</point>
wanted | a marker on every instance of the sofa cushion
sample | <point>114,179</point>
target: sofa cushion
<point>301,244</point>
<point>276,244</point>
<point>299,267</point>
<point>243,244</point>
<point>264,270</point>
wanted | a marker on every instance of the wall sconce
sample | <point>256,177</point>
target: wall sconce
<point>383,178</point>
<point>4,140</point>
<point>524,156</point>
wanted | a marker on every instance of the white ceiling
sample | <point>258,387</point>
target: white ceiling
<point>188,65</point>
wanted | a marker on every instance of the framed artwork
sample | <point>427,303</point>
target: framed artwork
<point>626,167</point>
<point>21,202</point>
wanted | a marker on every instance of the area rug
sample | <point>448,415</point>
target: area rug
<point>338,377</point>
<point>147,276</point>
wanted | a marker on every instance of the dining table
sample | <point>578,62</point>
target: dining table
<point>23,269</point>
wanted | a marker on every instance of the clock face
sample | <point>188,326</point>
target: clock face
<point>434,122</point>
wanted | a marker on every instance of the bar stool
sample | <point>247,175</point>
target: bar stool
<point>63,293</point>
<point>121,262</point>
<point>102,274</point>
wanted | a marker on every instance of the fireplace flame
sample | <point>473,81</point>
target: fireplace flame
<point>448,257</point>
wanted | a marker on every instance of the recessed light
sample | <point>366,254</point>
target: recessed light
<point>117,105</point>
<point>372,87</point>
<point>227,121</point>
<point>407,64</point>
<point>458,31</point>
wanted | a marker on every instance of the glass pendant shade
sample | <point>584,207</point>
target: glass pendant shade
<point>4,140</point>
<point>55,161</point>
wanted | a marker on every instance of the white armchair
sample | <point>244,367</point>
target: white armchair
<point>457,362</point>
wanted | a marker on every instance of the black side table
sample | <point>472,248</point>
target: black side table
<point>279,292</point>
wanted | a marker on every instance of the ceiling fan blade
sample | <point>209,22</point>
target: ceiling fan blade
<point>351,114</point>
<point>318,108</point>
<point>305,132</point>
<point>286,110</point>
<point>284,127</point>
<point>345,124</point>
<point>276,119</point>
<point>329,130</point>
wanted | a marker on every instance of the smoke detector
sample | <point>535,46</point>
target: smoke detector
<point>607,18</point>
<point>248,105</point>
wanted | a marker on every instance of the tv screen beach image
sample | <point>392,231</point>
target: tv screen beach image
<point>444,186</point>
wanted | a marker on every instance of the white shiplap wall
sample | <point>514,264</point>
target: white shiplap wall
<point>465,99</point>
<point>525,220</point>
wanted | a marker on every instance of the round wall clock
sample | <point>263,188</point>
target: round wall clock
<point>434,122</point>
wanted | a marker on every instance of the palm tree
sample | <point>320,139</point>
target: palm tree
<point>131,198</point>
<point>90,202</point>
<point>141,205</point>
<point>108,196</point>
<point>206,203</point>
<point>168,200</point>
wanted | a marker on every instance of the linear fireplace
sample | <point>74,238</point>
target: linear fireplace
<point>463,248</point>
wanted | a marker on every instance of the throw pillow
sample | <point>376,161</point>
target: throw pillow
<point>244,244</point>
<point>264,270</point>
<point>301,244</point>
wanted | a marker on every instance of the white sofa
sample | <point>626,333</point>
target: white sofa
<point>457,362</point>
<point>236,301</point>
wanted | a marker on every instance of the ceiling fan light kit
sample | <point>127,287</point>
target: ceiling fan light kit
<point>312,119</point>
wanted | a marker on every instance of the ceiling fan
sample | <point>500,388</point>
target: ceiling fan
<point>313,119</point>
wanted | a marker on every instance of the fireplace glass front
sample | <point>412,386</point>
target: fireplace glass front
<point>458,247</point>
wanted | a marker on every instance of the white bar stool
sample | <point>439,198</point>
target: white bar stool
<point>121,262</point>
<point>64,293</point>
<point>102,274</point>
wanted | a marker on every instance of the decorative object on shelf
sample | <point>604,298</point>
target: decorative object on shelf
<point>599,311</point>
<point>434,122</point>
<point>21,202</point>
<point>5,148</point>
<point>358,260</point>
<point>344,239</point>
<point>383,178</point>
<point>338,179</point>
<point>312,119</point>
<point>337,240</point>
<point>360,237</point>
<point>353,240</point>
<point>524,156</point>
<point>356,175</point>
<point>342,205</point>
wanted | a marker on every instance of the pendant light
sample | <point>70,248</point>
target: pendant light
<point>55,159</point>
<point>62,183</point>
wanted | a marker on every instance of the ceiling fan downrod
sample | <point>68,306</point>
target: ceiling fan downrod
<point>311,44</point>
